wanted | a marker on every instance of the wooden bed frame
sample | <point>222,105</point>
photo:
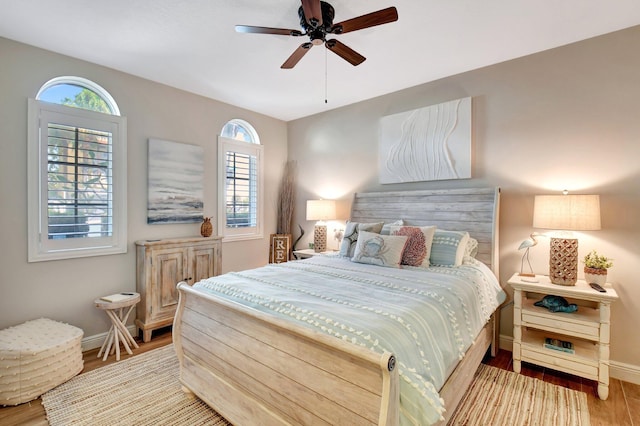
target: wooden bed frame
<point>294,375</point>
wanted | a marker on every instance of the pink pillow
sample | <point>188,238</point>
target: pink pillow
<point>418,247</point>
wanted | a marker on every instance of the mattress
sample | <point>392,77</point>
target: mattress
<point>426,317</point>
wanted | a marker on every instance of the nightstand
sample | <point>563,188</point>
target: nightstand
<point>307,253</point>
<point>588,329</point>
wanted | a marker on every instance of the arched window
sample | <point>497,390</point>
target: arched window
<point>240,130</point>
<point>77,171</point>
<point>240,160</point>
<point>78,92</point>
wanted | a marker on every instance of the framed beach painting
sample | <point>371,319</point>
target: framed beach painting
<point>175,187</point>
<point>425,144</point>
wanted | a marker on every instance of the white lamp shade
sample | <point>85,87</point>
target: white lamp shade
<point>567,212</point>
<point>321,209</point>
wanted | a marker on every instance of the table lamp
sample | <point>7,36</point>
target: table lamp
<point>320,210</point>
<point>565,213</point>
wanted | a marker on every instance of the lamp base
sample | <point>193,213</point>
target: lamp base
<point>320,238</point>
<point>563,261</point>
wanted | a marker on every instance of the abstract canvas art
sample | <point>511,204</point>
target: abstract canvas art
<point>430,143</point>
<point>176,175</point>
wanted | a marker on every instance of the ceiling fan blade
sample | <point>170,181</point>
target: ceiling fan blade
<point>267,30</point>
<point>372,19</point>
<point>345,52</point>
<point>296,56</point>
<point>313,12</point>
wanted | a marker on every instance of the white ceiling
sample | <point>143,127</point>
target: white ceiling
<point>192,45</point>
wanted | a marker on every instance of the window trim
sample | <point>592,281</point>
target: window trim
<point>37,203</point>
<point>248,148</point>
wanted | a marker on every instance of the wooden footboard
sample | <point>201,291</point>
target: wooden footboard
<point>459,381</point>
<point>256,369</point>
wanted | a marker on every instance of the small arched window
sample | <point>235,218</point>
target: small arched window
<point>78,92</point>
<point>77,160</point>
<point>240,172</point>
<point>240,130</point>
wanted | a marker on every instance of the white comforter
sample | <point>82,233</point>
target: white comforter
<point>427,318</point>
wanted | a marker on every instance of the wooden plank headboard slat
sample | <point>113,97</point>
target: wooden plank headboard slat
<point>475,210</point>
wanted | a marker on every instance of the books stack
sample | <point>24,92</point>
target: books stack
<point>118,297</point>
<point>559,345</point>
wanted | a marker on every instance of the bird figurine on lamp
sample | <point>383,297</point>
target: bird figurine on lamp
<point>527,244</point>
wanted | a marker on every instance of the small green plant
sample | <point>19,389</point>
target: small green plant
<point>596,261</point>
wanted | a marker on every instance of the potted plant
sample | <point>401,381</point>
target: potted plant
<point>595,268</point>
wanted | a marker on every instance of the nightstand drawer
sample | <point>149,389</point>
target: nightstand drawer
<point>561,325</point>
<point>559,361</point>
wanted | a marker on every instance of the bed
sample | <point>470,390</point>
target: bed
<point>258,347</point>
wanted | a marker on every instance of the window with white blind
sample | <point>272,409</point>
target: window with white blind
<point>76,173</point>
<point>240,182</point>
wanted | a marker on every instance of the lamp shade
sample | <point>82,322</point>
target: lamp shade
<point>567,212</point>
<point>321,209</point>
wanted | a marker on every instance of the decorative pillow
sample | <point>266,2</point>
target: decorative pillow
<point>418,248</point>
<point>348,245</point>
<point>376,249</point>
<point>448,247</point>
<point>471,250</point>
<point>386,228</point>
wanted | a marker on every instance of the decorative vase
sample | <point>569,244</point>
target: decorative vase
<point>593,275</point>
<point>206,229</point>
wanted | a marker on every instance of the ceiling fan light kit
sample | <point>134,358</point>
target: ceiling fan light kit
<point>316,20</point>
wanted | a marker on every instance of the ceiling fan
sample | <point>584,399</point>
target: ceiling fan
<point>316,20</point>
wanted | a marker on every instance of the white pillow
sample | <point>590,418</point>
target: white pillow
<point>448,247</point>
<point>418,248</point>
<point>471,250</point>
<point>348,245</point>
<point>386,228</point>
<point>376,249</point>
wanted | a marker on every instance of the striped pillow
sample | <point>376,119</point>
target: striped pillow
<point>448,247</point>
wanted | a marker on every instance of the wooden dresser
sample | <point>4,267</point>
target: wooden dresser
<point>161,265</point>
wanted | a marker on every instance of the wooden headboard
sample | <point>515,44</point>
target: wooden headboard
<point>475,210</point>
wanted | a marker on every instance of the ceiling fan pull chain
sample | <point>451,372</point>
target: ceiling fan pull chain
<point>325,75</point>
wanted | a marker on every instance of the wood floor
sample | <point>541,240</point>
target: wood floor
<point>621,408</point>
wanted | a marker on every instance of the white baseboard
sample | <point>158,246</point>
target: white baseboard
<point>617,370</point>
<point>506,343</point>
<point>626,372</point>
<point>95,341</point>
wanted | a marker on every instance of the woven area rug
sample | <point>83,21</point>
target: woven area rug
<point>144,390</point>
<point>500,397</point>
<point>141,390</point>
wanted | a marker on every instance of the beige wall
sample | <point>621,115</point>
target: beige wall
<point>64,290</point>
<point>564,118</point>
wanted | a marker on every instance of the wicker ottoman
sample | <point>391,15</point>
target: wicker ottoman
<point>36,357</point>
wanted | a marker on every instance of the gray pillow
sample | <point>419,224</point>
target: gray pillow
<point>348,245</point>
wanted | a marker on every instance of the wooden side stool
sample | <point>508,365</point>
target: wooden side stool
<point>115,307</point>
